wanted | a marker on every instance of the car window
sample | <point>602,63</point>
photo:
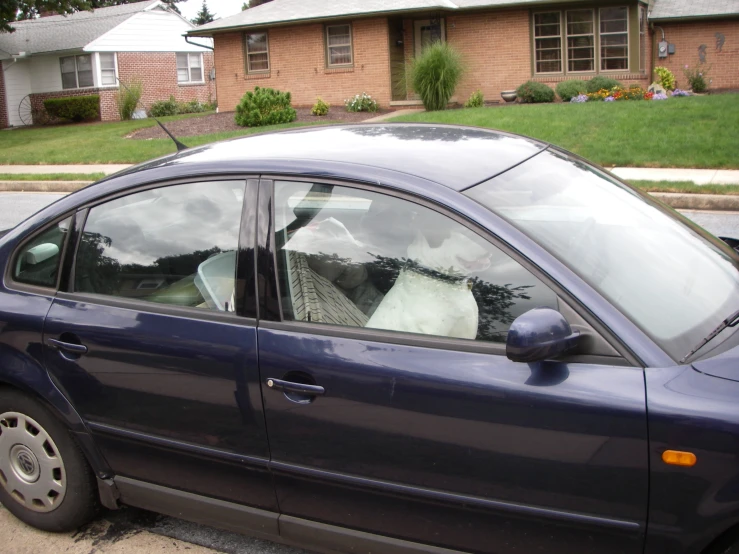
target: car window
<point>172,245</point>
<point>361,259</point>
<point>37,262</point>
<point>671,282</point>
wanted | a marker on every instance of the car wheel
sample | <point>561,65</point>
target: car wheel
<point>45,480</point>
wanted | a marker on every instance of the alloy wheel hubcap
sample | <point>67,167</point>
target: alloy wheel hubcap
<point>31,468</point>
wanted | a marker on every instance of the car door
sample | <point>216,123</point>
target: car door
<point>390,404</point>
<point>150,338</point>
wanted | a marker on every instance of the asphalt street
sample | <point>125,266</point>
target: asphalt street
<point>131,524</point>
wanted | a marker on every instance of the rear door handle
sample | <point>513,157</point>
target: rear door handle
<point>299,388</point>
<point>68,346</point>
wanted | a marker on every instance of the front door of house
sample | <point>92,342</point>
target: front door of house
<point>428,31</point>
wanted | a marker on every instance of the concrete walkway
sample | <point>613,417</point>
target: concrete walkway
<point>698,176</point>
<point>390,115</point>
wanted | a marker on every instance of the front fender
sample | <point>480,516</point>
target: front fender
<point>690,506</point>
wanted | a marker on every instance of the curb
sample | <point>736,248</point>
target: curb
<point>42,186</point>
<point>710,202</point>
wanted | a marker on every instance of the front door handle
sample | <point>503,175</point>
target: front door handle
<point>299,388</point>
<point>70,347</point>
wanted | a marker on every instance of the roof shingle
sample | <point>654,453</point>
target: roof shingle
<point>66,32</point>
<point>291,11</point>
<point>681,9</point>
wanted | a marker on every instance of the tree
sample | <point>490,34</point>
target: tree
<point>253,4</point>
<point>14,10</point>
<point>17,10</point>
<point>203,16</point>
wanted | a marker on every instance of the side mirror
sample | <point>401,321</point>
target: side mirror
<point>539,334</point>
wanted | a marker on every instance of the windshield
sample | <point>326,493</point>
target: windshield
<point>674,284</point>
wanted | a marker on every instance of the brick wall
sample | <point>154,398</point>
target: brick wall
<point>688,37</point>
<point>158,72</point>
<point>297,65</point>
<point>496,48</point>
<point>3,101</point>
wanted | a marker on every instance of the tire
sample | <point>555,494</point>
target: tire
<point>45,480</point>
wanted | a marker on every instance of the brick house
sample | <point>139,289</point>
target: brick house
<point>88,52</point>
<point>337,49</point>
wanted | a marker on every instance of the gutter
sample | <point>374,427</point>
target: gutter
<point>693,18</point>
<point>187,40</point>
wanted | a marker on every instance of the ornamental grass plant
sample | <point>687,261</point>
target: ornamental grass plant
<point>128,97</point>
<point>435,74</point>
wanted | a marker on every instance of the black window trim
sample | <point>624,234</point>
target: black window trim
<point>82,212</point>
<point>10,282</point>
<point>269,274</point>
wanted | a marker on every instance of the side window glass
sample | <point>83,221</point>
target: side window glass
<point>356,258</point>
<point>37,262</point>
<point>172,245</point>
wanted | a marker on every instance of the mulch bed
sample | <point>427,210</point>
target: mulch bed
<point>224,122</point>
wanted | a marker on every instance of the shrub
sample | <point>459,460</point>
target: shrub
<point>567,90</point>
<point>435,74</point>
<point>665,77</point>
<point>164,108</point>
<point>172,107</point>
<point>264,106</point>
<point>361,103</point>
<point>128,98</point>
<point>320,107</point>
<point>476,100</point>
<point>75,108</point>
<point>697,78</point>
<point>599,82</point>
<point>532,92</point>
<point>193,106</point>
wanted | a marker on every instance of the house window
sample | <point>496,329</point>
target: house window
<point>548,39</point>
<point>580,40</point>
<point>339,45</point>
<point>584,40</point>
<point>76,71</point>
<point>257,53</point>
<point>189,68</point>
<point>108,75</point>
<point>614,39</point>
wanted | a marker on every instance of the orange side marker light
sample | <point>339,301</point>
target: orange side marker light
<point>679,458</point>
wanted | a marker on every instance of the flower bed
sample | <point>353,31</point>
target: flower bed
<point>621,94</point>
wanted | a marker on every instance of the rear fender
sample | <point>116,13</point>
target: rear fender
<point>20,370</point>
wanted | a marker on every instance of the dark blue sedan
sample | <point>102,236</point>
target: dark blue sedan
<point>377,338</point>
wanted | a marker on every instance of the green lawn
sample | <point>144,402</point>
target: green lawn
<point>678,132</point>
<point>99,142</point>
<point>51,176</point>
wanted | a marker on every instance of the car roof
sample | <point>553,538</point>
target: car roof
<point>453,156</point>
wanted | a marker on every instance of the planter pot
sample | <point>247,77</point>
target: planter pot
<point>508,95</point>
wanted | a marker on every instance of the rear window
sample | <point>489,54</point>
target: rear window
<point>674,284</point>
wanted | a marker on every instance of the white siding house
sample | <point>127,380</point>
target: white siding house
<point>91,52</point>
